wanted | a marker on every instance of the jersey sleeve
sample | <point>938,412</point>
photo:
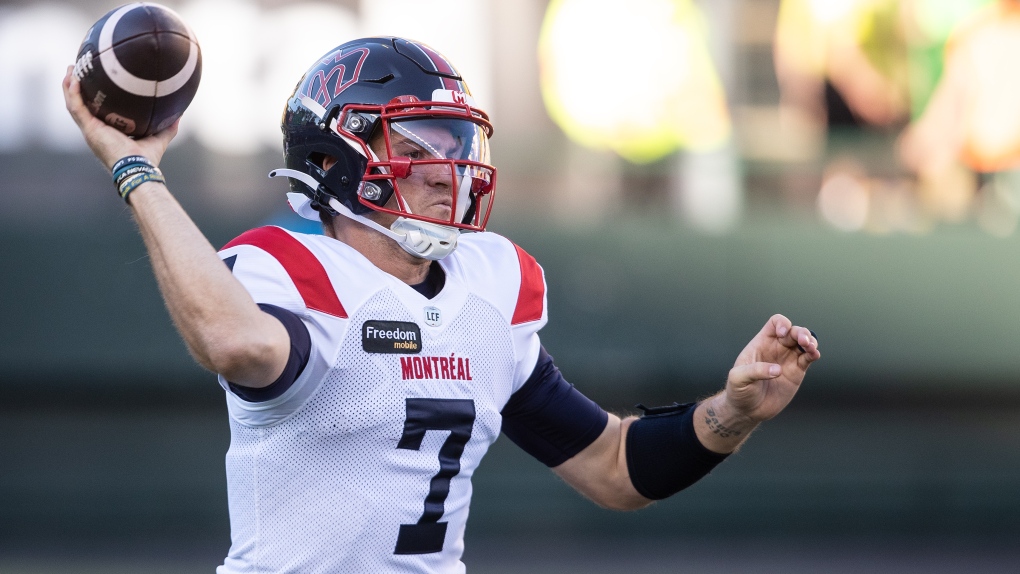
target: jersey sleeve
<point>546,416</point>
<point>287,280</point>
<point>511,280</point>
<point>529,316</point>
<point>278,269</point>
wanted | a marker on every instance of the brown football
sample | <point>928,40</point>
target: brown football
<point>139,68</point>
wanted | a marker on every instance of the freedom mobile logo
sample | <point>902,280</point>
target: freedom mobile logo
<point>391,337</point>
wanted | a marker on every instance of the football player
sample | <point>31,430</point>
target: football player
<point>340,352</point>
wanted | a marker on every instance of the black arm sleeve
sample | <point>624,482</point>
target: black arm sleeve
<point>550,419</point>
<point>300,348</point>
<point>664,455</point>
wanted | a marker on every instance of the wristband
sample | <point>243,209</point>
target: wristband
<point>131,171</point>
<point>122,162</point>
<point>664,455</point>
<point>129,184</point>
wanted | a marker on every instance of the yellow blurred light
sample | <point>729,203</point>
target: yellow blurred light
<point>830,11</point>
<point>638,81</point>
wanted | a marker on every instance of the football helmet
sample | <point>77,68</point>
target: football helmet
<point>390,112</point>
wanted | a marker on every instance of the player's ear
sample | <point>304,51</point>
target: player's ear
<point>328,161</point>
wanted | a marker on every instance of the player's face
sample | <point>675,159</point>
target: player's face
<point>429,188</point>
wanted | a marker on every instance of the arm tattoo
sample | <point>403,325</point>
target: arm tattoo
<point>717,427</point>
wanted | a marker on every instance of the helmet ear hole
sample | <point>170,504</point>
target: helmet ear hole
<point>318,160</point>
<point>322,162</point>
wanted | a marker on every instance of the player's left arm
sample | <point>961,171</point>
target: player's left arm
<point>637,460</point>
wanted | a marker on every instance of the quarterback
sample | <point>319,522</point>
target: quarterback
<point>367,370</point>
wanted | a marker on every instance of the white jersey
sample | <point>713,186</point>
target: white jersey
<point>364,464</point>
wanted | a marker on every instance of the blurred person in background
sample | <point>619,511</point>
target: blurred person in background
<point>339,352</point>
<point>972,121</point>
<point>859,71</point>
<point>842,62</point>
<point>843,77</point>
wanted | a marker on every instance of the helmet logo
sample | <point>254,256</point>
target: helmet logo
<point>453,97</point>
<point>327,82</point>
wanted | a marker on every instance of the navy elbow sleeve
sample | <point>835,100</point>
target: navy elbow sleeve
<point>664,455</point>
<point>549,418</point>
<point>300,349</point>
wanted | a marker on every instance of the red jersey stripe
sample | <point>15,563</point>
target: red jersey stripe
<point>531,297</point>
<point>304,269</point>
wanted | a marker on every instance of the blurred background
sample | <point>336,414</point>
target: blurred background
<point>682,169</point>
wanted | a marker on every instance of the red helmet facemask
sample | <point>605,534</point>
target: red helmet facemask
<point>435,147</point>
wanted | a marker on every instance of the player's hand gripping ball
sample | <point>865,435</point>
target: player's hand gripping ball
<point>139,68</point>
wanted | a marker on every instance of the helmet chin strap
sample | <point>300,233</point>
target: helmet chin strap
<point>419,238</point>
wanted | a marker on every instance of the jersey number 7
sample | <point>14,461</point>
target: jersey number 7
<point>458,417</point>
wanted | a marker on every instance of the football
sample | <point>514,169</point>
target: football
<point>139,68</point>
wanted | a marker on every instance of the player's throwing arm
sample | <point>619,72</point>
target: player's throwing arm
<point>223,328</point>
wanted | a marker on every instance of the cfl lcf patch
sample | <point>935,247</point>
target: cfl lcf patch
<point>432,317</point>
<point>398,337</point>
